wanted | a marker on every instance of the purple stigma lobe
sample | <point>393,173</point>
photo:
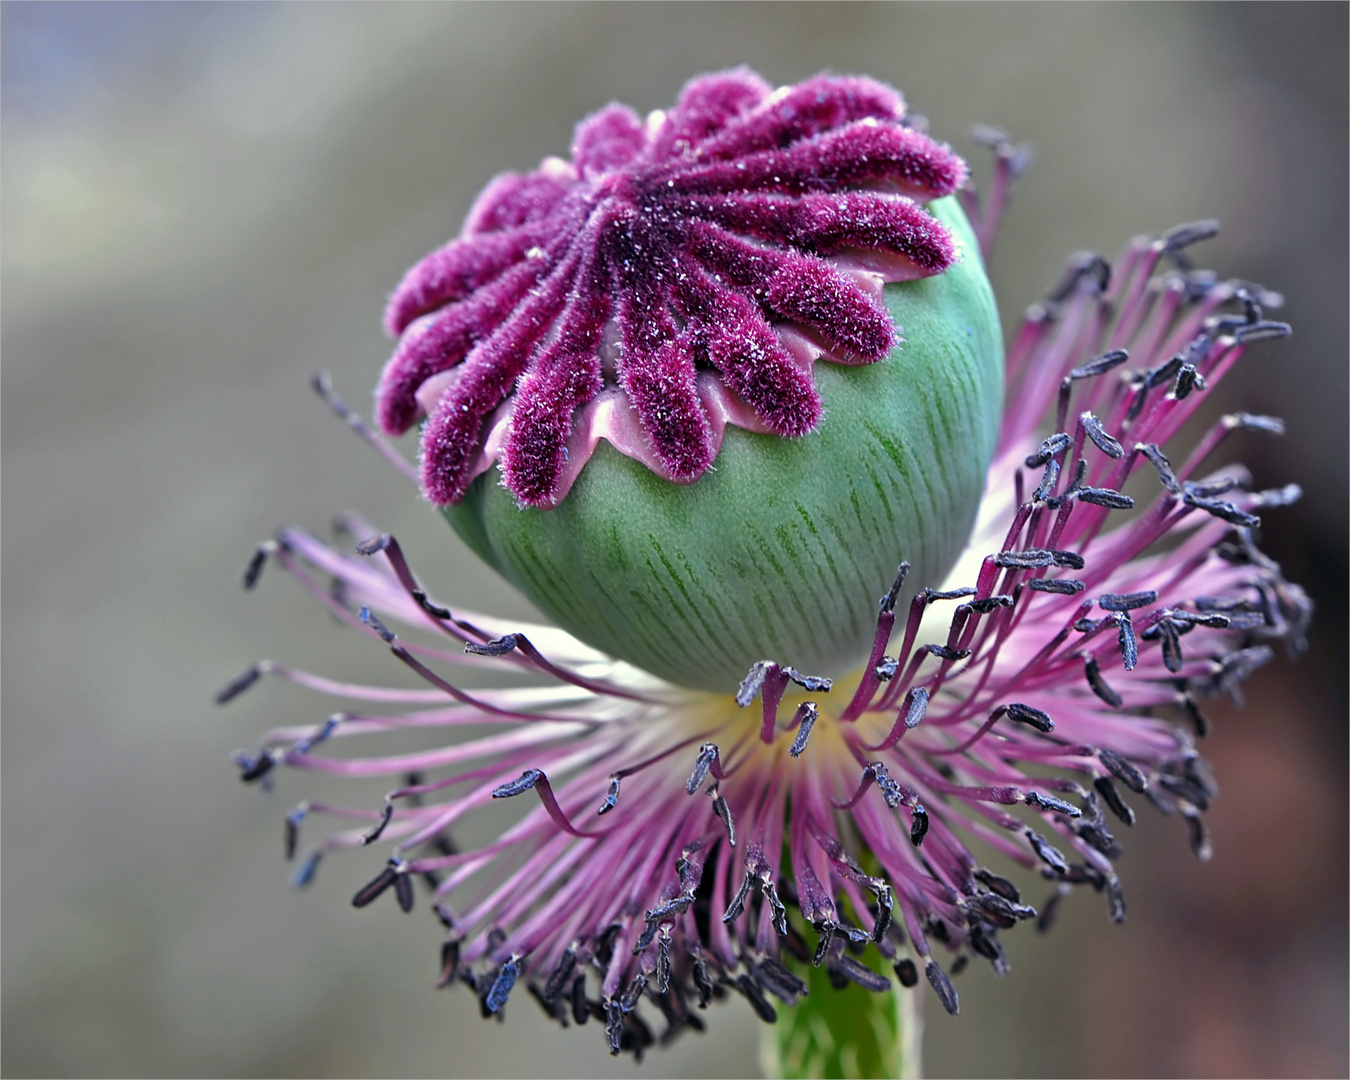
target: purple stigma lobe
<point>695,264</point>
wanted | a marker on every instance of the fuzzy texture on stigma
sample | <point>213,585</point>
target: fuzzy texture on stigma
<point>674,277</point>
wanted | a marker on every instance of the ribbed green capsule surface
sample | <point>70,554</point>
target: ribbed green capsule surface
<point>782,549</point>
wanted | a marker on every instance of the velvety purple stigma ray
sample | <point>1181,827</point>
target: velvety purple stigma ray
<point>686,242</point>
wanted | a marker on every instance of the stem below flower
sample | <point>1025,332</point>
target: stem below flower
<point>851,1033</point>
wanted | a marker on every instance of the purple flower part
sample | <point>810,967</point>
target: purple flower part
<point>491,369</point>
<point>893,158</point>
<point>908,241</point>
<point>804,289</point>
<point>1016,713</point>
<point>607,141</point>
<point>752,360</point>
<point>742,235</point>
<point>512,201</point>
<point>566,376</point>
<point>803,111</point>
<point>707,104</point>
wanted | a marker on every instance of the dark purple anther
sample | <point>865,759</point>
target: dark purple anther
<point>255,565</point>
<point>1025,714</point>
<point>779,981</point>
<point>1050,855</point>
<point>1104,442</point>
<point>861,974</point>
<point>1069,560</point>
<point>1033,559</point>
<point>723,810</point>
<point>449,964</point>
<point>1199,836</point>
<point>614,1027</point>
<point>611,796</point>
<point>1048,802</point>
<point>1099,365</point>
<point>707,759</point>
<point>999,884</point>
<point>1111,797</point>
<point>918,826</point>
<point>403,891</point>
<point>986,604</point>
<point>1050,909</point>
<point>293,821</point>
<point>737,905</point>
<point>916,707</point>
<point>1099,685</point>
<point>753,683</point>
<point>373,621</point>
<point>776,906</point>
<point>807,714</point>
<point>654,918</point>
<point>930,595</point>
<point>1045,489</point>
<point>386,814</point>
<point>526,780</point>
<point>1003,909</point>
<point>1129,644</point>
<point>1111,500</point>
<point>1115,897</point>
<point>375,887</point>
<point>581,1011</point>
<point>497,647</point>
<point>816,683</point>
<point>1165,472</point>
<point>885,908</point>
<point>1052,447</point>
<point>1059,586</point>
<point>946,992</point>
<point>238,685</point>
<point>309,866</point>
<point>1127,601</point>
<point>253,768</point>
<point>1262,331</point>
<point>766,1012</point>
<point>663,964</point>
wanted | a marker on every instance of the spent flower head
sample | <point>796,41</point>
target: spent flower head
<point>749,770</point>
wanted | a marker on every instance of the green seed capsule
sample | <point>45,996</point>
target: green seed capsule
<point>781,550</point>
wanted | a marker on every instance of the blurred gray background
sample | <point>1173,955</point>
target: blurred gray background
<point>203,205</point>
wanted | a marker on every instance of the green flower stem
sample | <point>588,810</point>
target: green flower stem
<point>845,1033</point>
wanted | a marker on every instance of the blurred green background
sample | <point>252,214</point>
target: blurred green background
<point>204,204</point>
